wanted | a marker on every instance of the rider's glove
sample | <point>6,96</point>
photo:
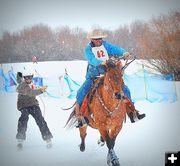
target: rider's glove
<point>103,63</point>
<point>126,55</point>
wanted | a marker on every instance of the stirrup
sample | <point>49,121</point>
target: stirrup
<point>79,124</point>
<point>132,116</point>
<point>82,122</point>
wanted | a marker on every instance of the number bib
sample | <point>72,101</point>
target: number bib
<point>100,53</point>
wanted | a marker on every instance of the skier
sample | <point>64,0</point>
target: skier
<point>28,104</point>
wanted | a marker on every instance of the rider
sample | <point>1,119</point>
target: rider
<point>96,53</point>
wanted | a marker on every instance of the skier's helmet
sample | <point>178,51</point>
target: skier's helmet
<point>27,75</point>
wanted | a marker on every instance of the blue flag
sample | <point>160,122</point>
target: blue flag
<point>152,87</point>
<point>38,81</point>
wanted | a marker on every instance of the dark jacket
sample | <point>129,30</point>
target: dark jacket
<point>27,96</point>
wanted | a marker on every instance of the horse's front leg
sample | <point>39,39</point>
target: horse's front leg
<point>112,159</point>
<point>83,134</point>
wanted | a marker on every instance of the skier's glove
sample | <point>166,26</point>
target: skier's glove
<point>43,89</point>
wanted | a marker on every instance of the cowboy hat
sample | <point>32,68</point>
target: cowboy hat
<point>95,34</point>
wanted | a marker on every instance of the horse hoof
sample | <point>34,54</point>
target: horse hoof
<point>113,164</point>
<point>100,143</point>
<point>82,148</point>
<point>109,163</point>
<point>116,164</point>
<point>112,159</point>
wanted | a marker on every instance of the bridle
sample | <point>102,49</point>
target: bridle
<point>110,112</point>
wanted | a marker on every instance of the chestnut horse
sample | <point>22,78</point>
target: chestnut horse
<point>105,108</point>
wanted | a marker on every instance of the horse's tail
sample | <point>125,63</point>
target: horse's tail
<point>71,120</point>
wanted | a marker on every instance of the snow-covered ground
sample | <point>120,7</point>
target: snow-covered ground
<point>143,143</point>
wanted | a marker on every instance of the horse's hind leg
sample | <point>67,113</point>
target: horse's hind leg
<point>101,141</point>
<point>83,134</point>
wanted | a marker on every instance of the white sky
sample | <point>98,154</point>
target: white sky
<point>15,14</point>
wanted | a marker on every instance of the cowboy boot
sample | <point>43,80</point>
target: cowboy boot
<point>135,116</point>
<point>81,120</point>
<point>140,116</point>
<point>133,113</point>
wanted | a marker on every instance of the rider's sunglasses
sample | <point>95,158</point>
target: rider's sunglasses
<point>28,77</point>
<point>98,39</point>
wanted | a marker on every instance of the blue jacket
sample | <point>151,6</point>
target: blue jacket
<point>94,63</point>
<point>110,48</point>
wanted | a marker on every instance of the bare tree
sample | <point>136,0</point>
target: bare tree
<point>157,41</point>
<point>165,55</point>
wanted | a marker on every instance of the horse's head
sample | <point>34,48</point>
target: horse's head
<point>113,77</point>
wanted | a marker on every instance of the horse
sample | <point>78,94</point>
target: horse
<point>105,108</point>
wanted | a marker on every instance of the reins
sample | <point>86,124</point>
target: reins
<point>127,63</point>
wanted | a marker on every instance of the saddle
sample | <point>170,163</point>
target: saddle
<point>88,98</point>
<point>85,109</point>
